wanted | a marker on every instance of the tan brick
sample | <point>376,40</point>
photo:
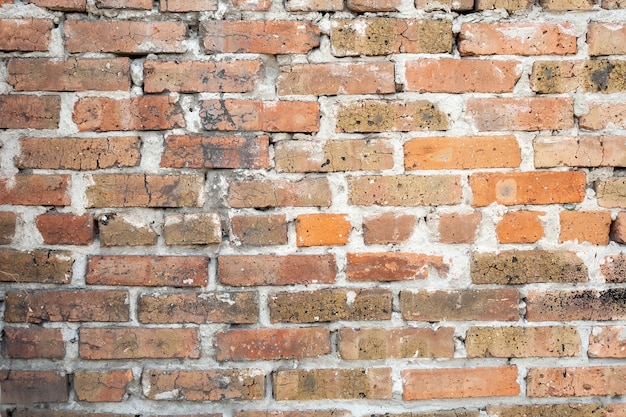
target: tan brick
<point>65,228</point>
<point>576,381</point>
<point>613,4</point>
<point>33,343</point>
<point>388,228</point>
<point>520,227</point>
<point>508,5</point>
<point>192,229</point>
<point>607,342</point>
<point>579,151</point>
<point>603,115</point>
<point>611,191</point>
<point>187,6</point>
<point>264,230</point>
<point>606,38</point>
<point>117,229</point>
<point>313,5</point>
<point>33,387</point>
<point>458,227</point>
<point>566,5</point>
<point>596,305</point>
<point>8,221</point>
<point>25,35</point>
<point>585,226</point>
<point>35,190</point>
<point>43,266</point>
<point>553,410</point>
<point>393,266</point>
<point>322,229</point>
<point>260,194</point>
<point>404,190</point>
<point>614,268</point>
<point>373,5</point>
<point>29,112</point>
<point>595,76</point>
<point>96,386</point>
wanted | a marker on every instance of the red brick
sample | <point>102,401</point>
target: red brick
<point>74,74</point>
<point>145,270</point>
<point>388,228</point>
<point>198,308</point>
<point>78,153</point>
<point>39,266</point>
<point>602,115</point>
<point>8,221</point>
<point>520,227</point>
<point>264,230</point>
<point>322,229</point>
<point>458,227</point>
<point>188,6</point>
<point>426,384</point>
<point>337,78</point>
<point>101,114</point>
<point>35,190</point>
<point>517,39</point>
<point>607,342</point>
<point>125,37</point>
<point>117,229</point>
<point>611,191</point>
<point>65,228</point>
<point>462,152</point>
<point>576,381</point>
<point>125,4</point>
<point>465,305</point>
<point>579,151</point>
<point>393,266</point>
<point>526,113</point>
<point>404,190</point>
<point>253,270</point>
<point>585,226</point>
<point>95,386</point>
<point>271,344</point>
<point>192,229</point>
<point>614,268</point>
<point>138,343</point>
<point>34,34</point>
<point>201,76</point>
<point>606,39</point>
<point>252,5</point>
<point>518,188</point>
<point>204,385</point>
<point>29,112</point>
<point>373,5</point>
<point>33,343</point>
<point>259,37</point>
<point>33,387</point>
<point>72,305</point>
<point>596,305</point>
<point>63,5</point>
<point>367,344</point>
<point>261,194</point>
<point>269,116</point>
<point>187,151</point>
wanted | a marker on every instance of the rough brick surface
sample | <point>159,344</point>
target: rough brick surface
<point>388,228</point>
<point>611,192</point>
<point>393,266</point>
<point>404,190</point>
<point>193,229</point>
<point>396,343</point>
<point>522,342</point>
<point>259,230</point>
<point>598,305</point>
<point>614,268</point>
<point>458,227</point>
<point>263,194</point>
<point>66,229</point>
<point>29,112</point>
<point>33,387</point>
<point>102,386</point>
<point>585,226</point>
<point>322,229</point>
<point>607,342</point>
<point>35,34</point>
<point>576,381</point>
<point>40,265</point>
<point>602,115</point>
<point>579,151</point>
<point>520,227</point>
<point>119,230</point>
<point>33,343</point>
<point>604,76</point>
<point>8,222</point>
<point>606,38</point>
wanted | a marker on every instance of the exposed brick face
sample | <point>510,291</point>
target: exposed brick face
<point>29,112</point>
<point>40,266</point>
<point>102,386</point>
<point>522,342</point>
<point>66,229</point>
<point>388,228</point>
<point>404,190</point>
<point>33,387</point>
<point>520,227</point>
<point>33,343</point>
<point>35,34</point>
<point>392,266</point>
<point>259,230</point>
<point>576,381</point>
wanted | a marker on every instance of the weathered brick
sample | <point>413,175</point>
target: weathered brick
<point>611,191</point>
<point>520,227</point>
<point>370,116</point>
<point>554,77</point>
<point>41,266</point>
<point>269,116</point>
<point>517,39</point>
<point>333,155</point>
<point>72,305</point>
<point>522,342</point>
<point>138,343</point>
<point>147,270</point>
<point>382,36</point>
<point>63,5</point>
<point>187,6</point>
<point>102,114</point>
<point>145,190</point>
<point>78,153</point>
<point>426,384</point>
<point>35,190</point>
<point>198,308</point>
<point>125,4</point>
<point>613,4</point>
<point>373,5</point>
<point>579,151</point>
<point>585,226</point>
<point>30,412</point>
<point>508,5</point>
<point>614,268</point>
<point>322,229</point>
<point>261,194</point>
<point>238,76</point>
<point>458,227</point>
<point>597,305</point>
<point>462,152</point>
<point>271,344</point>
<point>34,34</point>
<point>96,386</point>
<point>527,267</point>
<point>117,229</point>
<point>330,305</point>
<point>460,412</point>
<point>8,221</point>
<point>367,344</point>
<point>325,384</point>
<point>313,5</point>
<point>453,5</point>
<point>388,228</point>
<point>465,305</point>
<point>259,37</point>
<point>74,74</point>
<point>263,230</point>
<point>252,5</point>
<point>252,270</point>
<point>214,152</point>
<point>404,190</point>
<point>576,381</point>
<point>303,413</point>
<point>65,228</point>
<point>337,78</point>
<point>29,112</point>
<point>33,387</point>
<point>518,188</point>
<point>393,266</point>
<point>192,229</point>
<point>566,5</point>
<point>204,385</point>
<point>607,342</point>
<point>602,115</point>
<point>125,37</point>
<point>553,410</point>
<point>606,38</point>
<point>33,343</point>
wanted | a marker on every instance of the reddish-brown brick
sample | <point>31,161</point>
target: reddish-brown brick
<point>125,4</point>
<point>261,194</point>
<point>614,268</point>
<point>138,343</point>
<point>8,221</point>
<point>585,226</point>
<point>601,115</point>
<point>404,190</point>
<point>388,228</point>
<point>458,227</point>
<point>611,192</point>
<point>72,305</point>
<point>33,387</point>
<point>252,5</point>
<point>204,385</point>
<point>579,151</point>
<point>187,6</point>
<point>393,266</point>
<point>322,229</point>
<point>462,152</point>
<point>606,38</point>
<point>39,266</point>
<point>192,229</point>
<point>35,190</point>
<point>271,344</point>
<point>426,384</point>
<point>33,343</point>
<point>526,113</point>
<point>357,344</point>
<point>74,74</point>
<point>198,308</point>
<point>520,227</point>
<point>146,270</point>
<point>269,116</point>
<point>252,270</point>
<point>325,384</point>
<point>259,37</point>
<point>34,34</point>
<point>187,151</point>
<point>101,114</point>
<point>263,230</point>
<point>597,305</point>
<point>518,188</point>
<point>30,412</point>
<point>125,37</point>
<point>313,5</point>
<point>29,112</point>
<point>373,5</point>
<point>576,381</point>
<point>117,229</point>
<point>96,386</point>
<point>607,342</point>
<point>63,5</point>
<point>201,76</point>
<point>466,305</point>
<point>65,228</point>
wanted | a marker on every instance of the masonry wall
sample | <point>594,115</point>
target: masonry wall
<point>311,208</point>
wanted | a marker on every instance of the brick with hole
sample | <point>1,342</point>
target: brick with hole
<point>33,387</point>
<point>30,111</point>
<point>43,266</point>
<point>393,266</point>
<point>582,381</point>
<point>66,228</point>
<point>33,343</point>
<point>117,229</point>
<point>585,226</point>
<point>388,228</point>
<point>192,229</point>
<point>457,228</point>
<point>404,190</point>
<point>324,229</point>
<point>573,305</point>
<point>265,194</point>
<point>579,151</point>
<point>264,230</point>
<point>25,35</point>
<point>8,223</point>
<point>98,386</point>
<point>520,227</point>
<point>607,342</point>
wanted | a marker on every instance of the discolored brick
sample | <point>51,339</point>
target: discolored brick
<point>579,151</point>
<point>614,268</point>
<point>30,112</point>
<point>95,386</point>
<point>66,228</point>
<point>607,342</point>
<point>393,266</point>
<point>43,266</point>
<point>606,38</point>
<point>263,194</point>
<point>610,192</point>
<point>8,221</point>
<point>117,229</point>
<point>404,190</point>
<point>32,343</point>
<point>192,229</point>
<point>33,387</point>
<point>602,115</point>
<point>584,381</point>
<point>388,228</point>
<point>259,230</point>
<point>34,34</point>
<point>592,305</point>
<point>458,227</point>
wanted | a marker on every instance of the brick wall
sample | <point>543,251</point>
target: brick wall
<point>311,208</point>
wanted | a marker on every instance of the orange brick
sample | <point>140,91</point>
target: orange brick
<point>252,5</point>
<point>25,34</point>
<point>33,343</point>
<point>312,192</point>
<point>322,229</point>
<point>606,39</point>
<point>35,190</point>
<point>520,227</point>
<point>65,228</point>
<point>602,115</point>
<point>607,342</point>
<point>585,226</point>
<point>404,190</point>
<point>576,381</point>
<point>393,266</point>
<point>63,5</point>
<point>458,227</point>
<point>388,228</point>
<point>29,112</point>
<point>95,386</point>
<point>187,6</point>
